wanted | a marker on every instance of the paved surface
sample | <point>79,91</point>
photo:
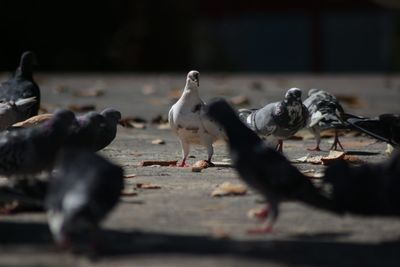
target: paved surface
<point>180,224</point>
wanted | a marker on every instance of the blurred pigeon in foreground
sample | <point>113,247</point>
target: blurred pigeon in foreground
<point>324,110</point>
<point>265,169</point>
<point>187,121</point>
<point>279,119</point>
<point>22,85</point>
<point>367,189</point>
<point>83,190</point>
<point>12,112</point>
<point>385,127</point>
<point>31,150</point>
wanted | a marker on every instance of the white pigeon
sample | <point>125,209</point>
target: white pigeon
<point>186,118</point>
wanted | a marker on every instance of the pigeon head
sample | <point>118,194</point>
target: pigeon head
<point>62,119</point>
<point>91,118</point>
<point>313,91</point>
<point>193,79</point>
<point>112,115</point>
<point>25,68</point>
<point>293,95</point>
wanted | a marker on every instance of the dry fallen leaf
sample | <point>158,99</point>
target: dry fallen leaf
<point>147,186</point>
<point>228,188</point>
<point>159,119</point>
<point>129,176</point>
<point>313,174</point>
<point>198,166</point>
<point>240,100</point>
<point>174,94</point>
<point>32,121</point>
<point>351,100</point>
<point>81,108</point>
<point>353,159</point>
<point>92,92</point>
<point>158,162</point>
<point>133,122</point>
<point>332,157</point>
<point>158,142</point>
<point>164,126</point>
<point>129,192</point>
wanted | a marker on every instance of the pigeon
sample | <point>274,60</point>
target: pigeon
<point>84,188</point>
<point>187,120</point>
<point>264,168</point>
<point>385,127</point>
<point>85,131</point>
<point>28,151</point>
<point>22,85</point>
<point>370,189</point>
<point>13,111</point>
<point>109,129</point>
<point>279,119</point>
<point>324,110</point>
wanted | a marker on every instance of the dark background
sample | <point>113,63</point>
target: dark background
<point>209,35</point>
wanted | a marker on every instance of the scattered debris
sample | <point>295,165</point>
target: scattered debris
<point>92,92</point>
<point>148,89</point>
<point>240,100</point>
<point>198,166</point>
<point>158,142</point>
<point>9,207</point>
<point>311,173</point>
<point>129,176</point>
<point>164,126</point>
<point>332,157</point>
<point>228,189</point>
<point>133,122</point>
<point>159,119</point>
<point>351,100</point>
<point>147,186</point>
<point>158,162</point>
<point>82,108</point>
<point>32,121</point>
<point>129,192</point>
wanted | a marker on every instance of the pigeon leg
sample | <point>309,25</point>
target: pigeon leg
<point>268,225</point>
<point>185,152</point>
<point>279,146</point>
<point>317,136</point>
<point>210,152</point>
<point>336,142</point>
<point>263,213</point>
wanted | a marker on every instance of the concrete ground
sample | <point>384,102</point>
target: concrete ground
<point>181,224</point>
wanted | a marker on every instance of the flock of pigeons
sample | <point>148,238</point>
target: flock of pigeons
<point>368,189</point>
<point>82,187</point>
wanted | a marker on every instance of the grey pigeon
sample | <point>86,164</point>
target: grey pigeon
<point>279,119</point>
<point>28,151</point>
<point>324,110</point>
<point>83,190</point>
<point>262,167</point>
<point>385,127</point>
<point>14,111</point>
<point>370,189</point>
<point>22,85</point>
<point>187,121</point>
<point>85,132</point>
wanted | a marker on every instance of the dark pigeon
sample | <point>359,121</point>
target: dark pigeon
<point>85,132</point>
<point>109,129</point>
<point>28,151</point>
<point>385,127</point>
<point>279,119</point>
<point>13,111</point>
<point>83,190</point>
<point>367,189</point>
<point>325,111</point>
<point>263,168</point>
<point>22,85</point>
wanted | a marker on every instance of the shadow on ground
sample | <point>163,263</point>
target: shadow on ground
<point>312,250</point>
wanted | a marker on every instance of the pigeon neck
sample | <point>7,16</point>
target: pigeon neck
<point>24,72</point>
<point>190,91</point>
